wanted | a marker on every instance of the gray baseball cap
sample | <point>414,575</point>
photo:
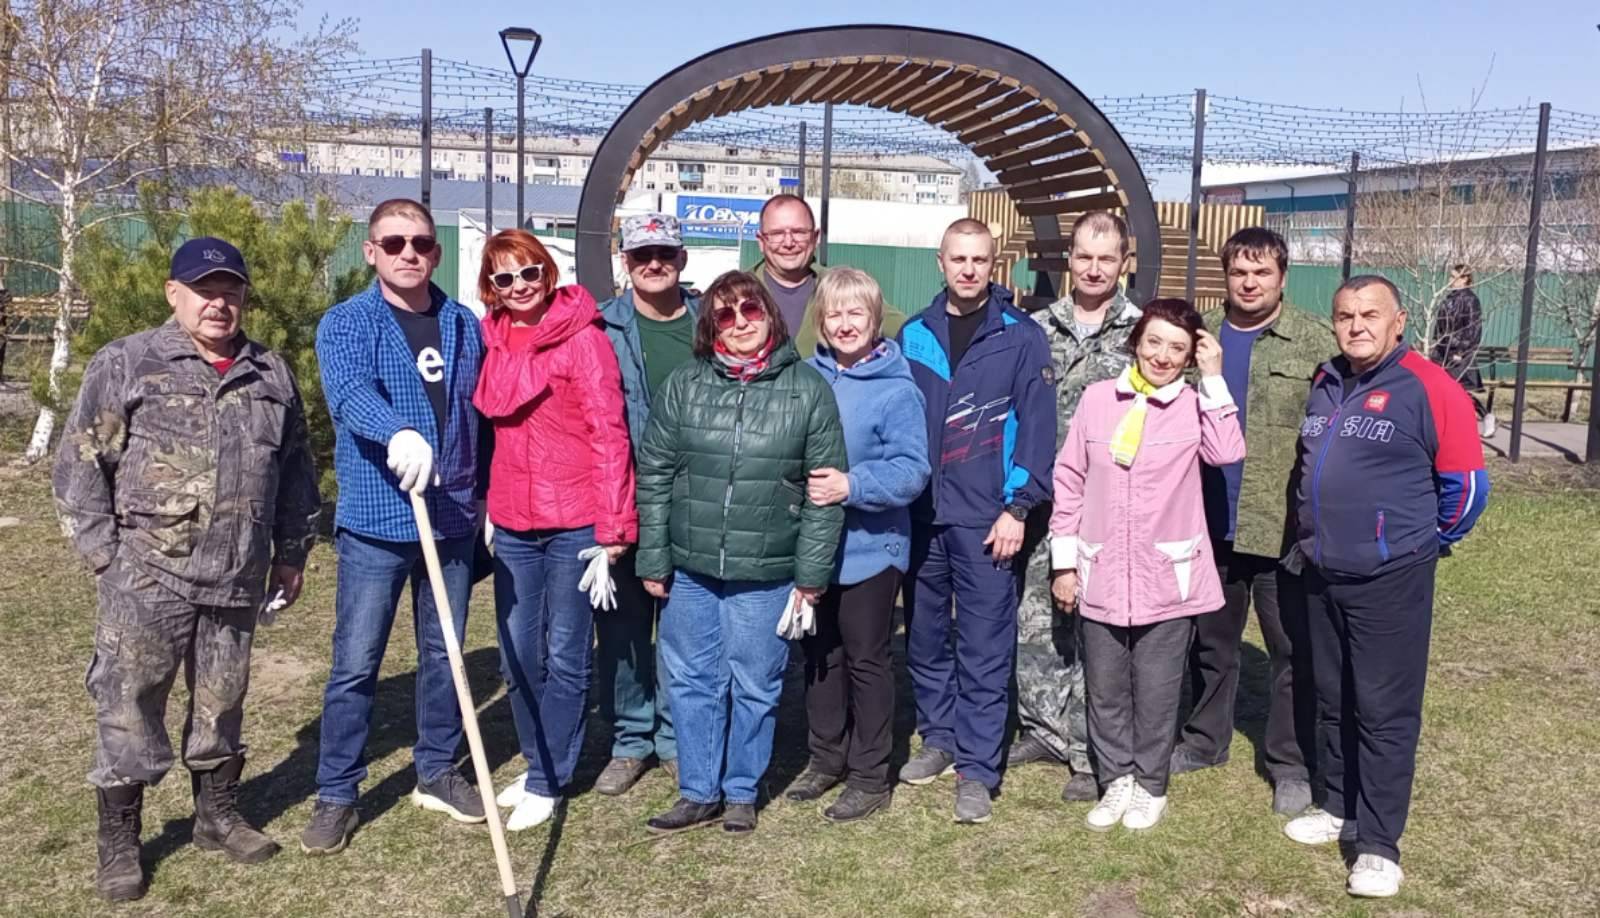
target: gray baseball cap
<point>641,230</point>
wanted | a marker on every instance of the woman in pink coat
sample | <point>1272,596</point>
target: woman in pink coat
<point>1128,542</point>
<point>560,501</point>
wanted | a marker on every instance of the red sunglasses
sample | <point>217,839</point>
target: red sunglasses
<point>752,310</point>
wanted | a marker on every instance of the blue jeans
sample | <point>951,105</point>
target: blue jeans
<point>719,641</point>
<point>628,678</point>
<point>372,572</point>
<point>546,638</point>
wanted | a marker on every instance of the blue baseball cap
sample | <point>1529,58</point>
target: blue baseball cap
<point>206,255</point>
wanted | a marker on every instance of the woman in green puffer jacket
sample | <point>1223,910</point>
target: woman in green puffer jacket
<point>723,516</point>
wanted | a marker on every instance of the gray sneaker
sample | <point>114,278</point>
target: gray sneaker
<point>972,802</point>
<point>1291,797</point>
<point>330,828</point>
<point>451,795</point>
<point>927,765</point>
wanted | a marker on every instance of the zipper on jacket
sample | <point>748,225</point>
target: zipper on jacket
<point>727,494</point>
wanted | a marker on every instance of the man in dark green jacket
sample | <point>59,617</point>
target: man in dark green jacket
<point>788,269</point>
<point>1270,353</point>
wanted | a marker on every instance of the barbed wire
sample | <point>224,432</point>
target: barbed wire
<point>386,93</point>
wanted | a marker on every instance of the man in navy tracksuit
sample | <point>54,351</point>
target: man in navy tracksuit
<point>985,372</point>
<point>1390,472</point>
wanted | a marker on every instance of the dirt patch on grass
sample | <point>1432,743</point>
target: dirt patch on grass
<point>1115,901</point>
<point>278,675</point>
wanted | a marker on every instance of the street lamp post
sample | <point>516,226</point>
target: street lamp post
<point>534,40</point>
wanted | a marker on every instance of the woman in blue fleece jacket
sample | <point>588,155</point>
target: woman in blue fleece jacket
<point>849,677</point>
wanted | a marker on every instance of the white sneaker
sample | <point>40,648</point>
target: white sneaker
<point>1486,426</point>
<point>1375,877</point>
<point>1113,803</point>
<point>513,793</point>
<point>1145,810</point>
<point>1319,827</point>
<point>532,811</point>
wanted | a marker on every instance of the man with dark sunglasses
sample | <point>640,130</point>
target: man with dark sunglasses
<point>399,365</point>
<point>651,326</point>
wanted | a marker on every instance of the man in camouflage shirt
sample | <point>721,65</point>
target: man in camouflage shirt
<point>1088,333</point>
<point>185,483</point>
<point>1270,354</point>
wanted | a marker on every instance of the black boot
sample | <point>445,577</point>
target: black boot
<point>684,815</point>
<point>217,823</point>
<point>118,876</point>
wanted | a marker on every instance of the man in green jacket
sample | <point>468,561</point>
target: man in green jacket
<point>1088,332</point>
<point>1270,353</point>
<point>788,269</point>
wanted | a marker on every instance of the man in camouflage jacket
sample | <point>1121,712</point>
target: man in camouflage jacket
<point>185,483</point>
<point>1088,334</point>
<point>1270,354</point>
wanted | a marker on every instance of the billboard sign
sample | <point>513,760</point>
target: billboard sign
<point>696,211</point>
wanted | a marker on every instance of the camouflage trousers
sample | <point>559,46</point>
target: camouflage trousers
<point>145,634</point>
<point>1051,699</point>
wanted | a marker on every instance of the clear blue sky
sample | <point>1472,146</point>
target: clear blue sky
<point>1357,54</point>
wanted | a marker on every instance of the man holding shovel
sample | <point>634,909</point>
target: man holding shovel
<point>399,365</point>
<point>185,483</point>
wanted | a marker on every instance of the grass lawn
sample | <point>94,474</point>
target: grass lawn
<point>1503,821</point>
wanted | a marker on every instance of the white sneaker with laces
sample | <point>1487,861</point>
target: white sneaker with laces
<point>1319,827</point>
<point>1145,810</point>
<point>1113,803</point>
<point>514,792</point>
<point>1375,877</point>
<point>532,811</point>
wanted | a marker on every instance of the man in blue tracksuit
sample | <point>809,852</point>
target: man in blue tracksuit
<point>984,369</point>
<point>1390,472</point>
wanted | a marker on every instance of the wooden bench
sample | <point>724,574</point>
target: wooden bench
<point>32,318</point>
<point>1489,360</point>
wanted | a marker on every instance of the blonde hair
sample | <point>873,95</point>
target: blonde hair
<point>842,286</point>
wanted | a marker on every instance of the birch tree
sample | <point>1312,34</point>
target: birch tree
<point>103,95</point>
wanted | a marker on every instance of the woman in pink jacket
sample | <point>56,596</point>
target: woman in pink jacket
<point>1128,542</point>
<point>560,500</point>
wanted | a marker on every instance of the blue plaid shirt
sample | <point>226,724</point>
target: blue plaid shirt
<point>373,389</point>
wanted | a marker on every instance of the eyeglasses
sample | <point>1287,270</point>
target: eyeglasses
<point>752,310</point>
<point>782,235</point>
<point>662,253</point>
<point>394,245</point>
<point>530,274</point>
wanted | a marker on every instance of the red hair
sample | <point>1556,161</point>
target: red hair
<point>520,248</point>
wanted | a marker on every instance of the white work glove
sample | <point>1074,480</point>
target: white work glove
<point>270,607</point>
<point>799,619</point>
<point>597,580</point>
<point>487,525</point>
<point>411,460</point>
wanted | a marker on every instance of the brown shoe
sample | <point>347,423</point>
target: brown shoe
<point>620,775</point>
<point>670,766</point>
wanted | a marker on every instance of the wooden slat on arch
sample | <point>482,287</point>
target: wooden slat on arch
<point>1067,143</point>
<point>1044,130</point>
<point>997,86</point>
<point>823,90</point>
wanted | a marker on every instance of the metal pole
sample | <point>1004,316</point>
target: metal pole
<point>427,127</point>
<point>827,179</point>
<point>488,173</point>
<point>1529,276</point>
<point>1195,163</point>
<point>522,85</point>
<point>801,189</point>
<point>1350,217</point>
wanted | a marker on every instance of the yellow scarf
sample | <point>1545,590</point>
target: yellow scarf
<point>1125,441</point>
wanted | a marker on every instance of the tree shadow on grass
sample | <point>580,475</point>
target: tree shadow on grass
<point>269,795</point>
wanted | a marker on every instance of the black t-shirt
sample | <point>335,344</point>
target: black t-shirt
<point>962,328</point>
<point>422,333</point>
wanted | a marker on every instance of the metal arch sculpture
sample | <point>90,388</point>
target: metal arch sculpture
<point>1054,152</point>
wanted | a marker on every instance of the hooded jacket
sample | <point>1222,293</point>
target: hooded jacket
<point>885,435</point>
<point>561,454</point>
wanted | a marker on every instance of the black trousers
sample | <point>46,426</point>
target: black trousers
<point>1135,682</point>
<point>1369,639</point>
<point>850,681</point>
<point>1280,604</point>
